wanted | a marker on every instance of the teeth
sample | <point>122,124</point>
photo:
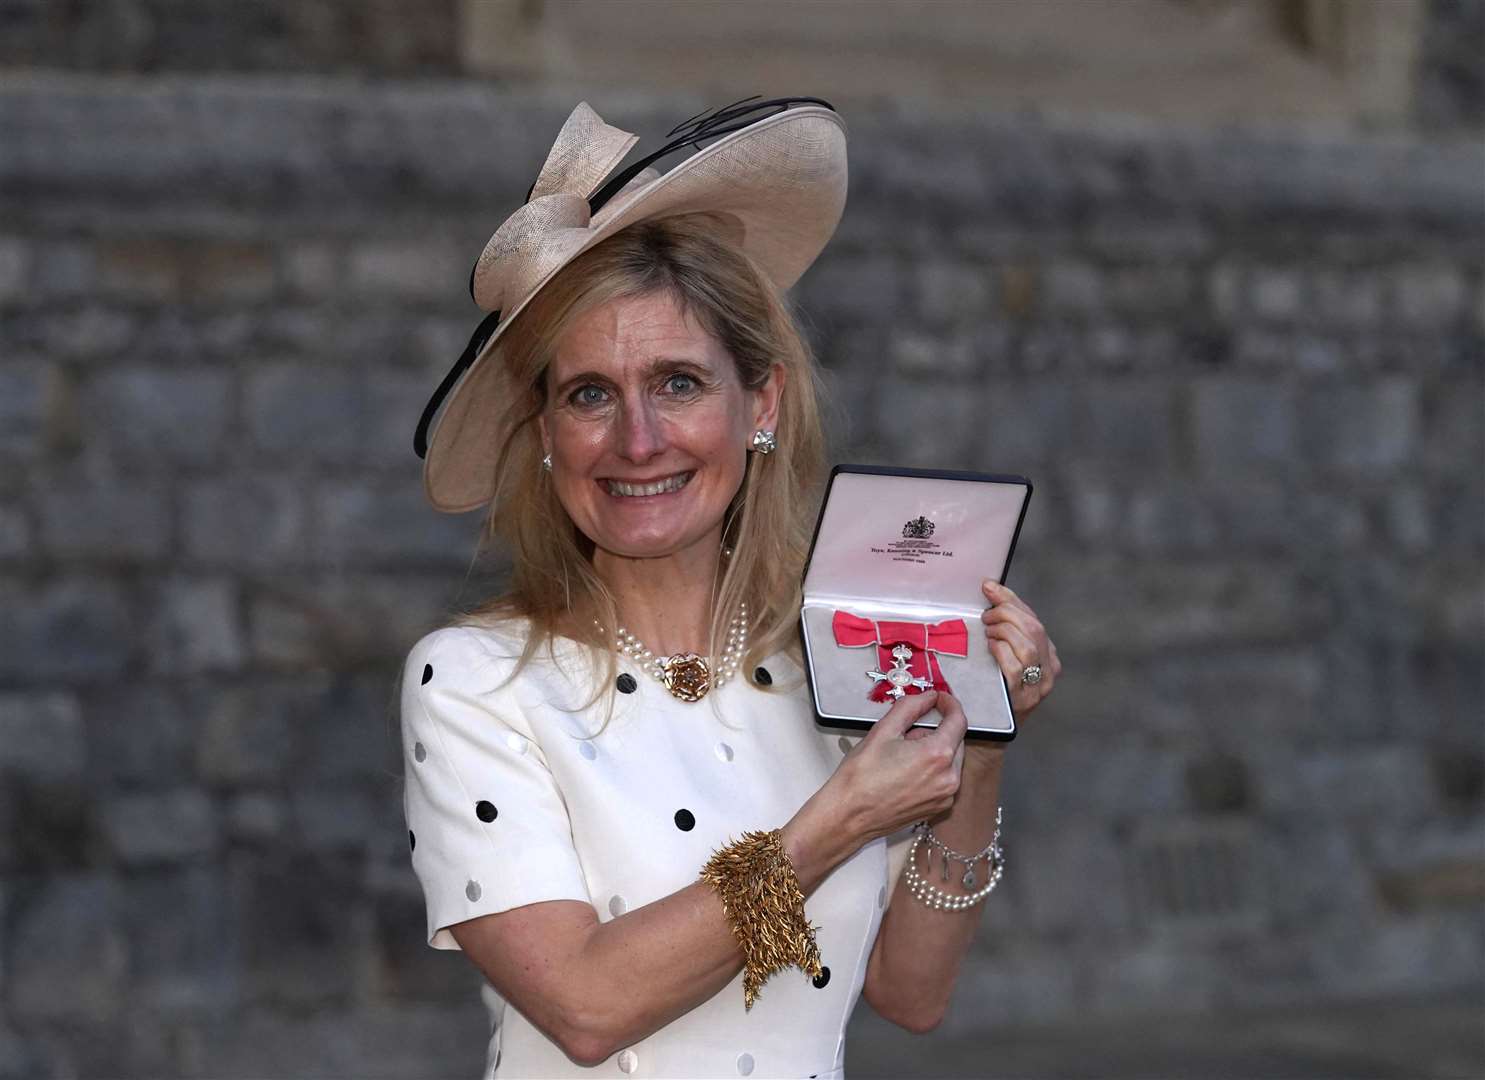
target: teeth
<point>659,487</point>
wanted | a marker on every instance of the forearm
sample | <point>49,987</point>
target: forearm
<point>915,961</point>
<point>642,970</point>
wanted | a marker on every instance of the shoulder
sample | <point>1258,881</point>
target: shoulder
<point>487,659</point>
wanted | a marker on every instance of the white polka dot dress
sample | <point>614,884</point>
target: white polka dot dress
<point>513,796</point>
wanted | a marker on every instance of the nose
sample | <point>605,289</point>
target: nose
<point>641,435</point>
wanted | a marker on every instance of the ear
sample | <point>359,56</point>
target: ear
<point>541,427</point>
<point>766,401</point>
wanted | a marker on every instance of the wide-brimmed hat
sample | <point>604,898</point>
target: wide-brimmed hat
<point>778,167</point>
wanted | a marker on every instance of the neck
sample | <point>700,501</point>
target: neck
<point>665,602</point>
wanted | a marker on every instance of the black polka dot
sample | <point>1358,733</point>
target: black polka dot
<point>485,810</point>
<point>626,683</point>
<point>762,677</point>
<point>412,841</point>
<point>427,672</point>
<point>685,820</point>
<point>821,979</point>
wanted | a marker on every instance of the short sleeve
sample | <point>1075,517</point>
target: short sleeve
<point>487,824</point>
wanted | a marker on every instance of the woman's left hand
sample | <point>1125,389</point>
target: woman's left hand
<point>1019,641</point>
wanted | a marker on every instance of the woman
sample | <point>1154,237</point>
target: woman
<point>584,752</point>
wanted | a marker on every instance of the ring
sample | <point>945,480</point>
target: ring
<point>1032,675</point>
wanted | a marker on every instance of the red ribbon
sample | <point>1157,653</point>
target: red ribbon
<point>950,637</point>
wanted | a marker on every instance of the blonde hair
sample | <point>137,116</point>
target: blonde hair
<point>767,525</point>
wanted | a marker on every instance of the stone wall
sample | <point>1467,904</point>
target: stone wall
<point>1245,373</point>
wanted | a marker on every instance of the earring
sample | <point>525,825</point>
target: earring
<point>546,463</point>
<point>764,441</point>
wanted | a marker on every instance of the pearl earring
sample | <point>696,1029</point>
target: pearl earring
<point>546,463</point>
<point>764,441</point>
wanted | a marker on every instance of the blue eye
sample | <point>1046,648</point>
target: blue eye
<point>681,383</point>
<point>588,395</point>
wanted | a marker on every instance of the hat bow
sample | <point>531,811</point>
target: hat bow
<point>557,219</point>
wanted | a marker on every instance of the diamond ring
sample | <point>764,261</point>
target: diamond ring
<point>1032,675</point>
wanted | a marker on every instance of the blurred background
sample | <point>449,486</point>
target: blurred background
<point>1210,272</point>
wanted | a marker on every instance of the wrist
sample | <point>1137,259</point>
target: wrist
<point>811,839</point>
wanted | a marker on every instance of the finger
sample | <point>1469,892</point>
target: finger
<point>1009,663</point>
<point>903,715</point>
<point>954,723</point>
<point>1019,614</point>
<point>1021,644</point>
<point>997,593</point>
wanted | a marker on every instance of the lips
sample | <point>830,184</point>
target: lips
<point>663,486</point>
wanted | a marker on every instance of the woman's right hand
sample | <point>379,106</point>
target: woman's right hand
<point>899,774</point>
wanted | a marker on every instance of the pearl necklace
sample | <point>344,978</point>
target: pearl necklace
<point>686,675</point>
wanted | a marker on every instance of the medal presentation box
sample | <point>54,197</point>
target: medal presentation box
<point>892,596</point>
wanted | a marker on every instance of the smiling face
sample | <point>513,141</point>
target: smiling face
<point>648,426</point>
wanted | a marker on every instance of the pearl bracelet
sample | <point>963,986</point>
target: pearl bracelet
<point>937,898</point>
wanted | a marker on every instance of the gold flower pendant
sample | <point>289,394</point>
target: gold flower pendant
<point>686,676</point>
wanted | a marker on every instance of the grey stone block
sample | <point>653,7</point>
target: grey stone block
<point>1139,607</point>
<point>252,521</point>
<point>145,828</point>
<point>410,269</point>
<point>28,390</point>
<point>1058,871</point>
<point>289,632</point>
<point>1400,956</point>
<point>16,541</point>
<point>333,817</point>
<point>1030,420</point>
<point>233,272</point>
<point>15,267</point>
<point>159,414</point>
<point>41,734</point>
<point>1152,289</point>
<point>311,268</point>
<point>298,920</point>
<point>1347,299</point>
<point>249,732</point>
<point>256,817</point>
<point>1128,422</point>
<point>1452,425</point>
<point>89,333</point>
<point>365,524</point>
<point>299,413</point>
<point>351,732</point>
<point>844,291</point>
<point>126,522</point>
<point>950,293</point>
<point>63,269</point>
<point>195,625</point>
<point>928,423</point>
<point>1242,422</point>
<point>183,955</point>
<point>1276,294</point>
<point>1425,295</point>
<point>68,951</point>
<point>1073,285</point>
<point>1360,427</point>
<point>69,629</point>
<point>1117,783</point>
<point>141,269</point>
<point>138,733</point>
<point>1366,781</point>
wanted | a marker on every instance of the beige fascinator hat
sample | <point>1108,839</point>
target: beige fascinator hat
<point>778,167</point>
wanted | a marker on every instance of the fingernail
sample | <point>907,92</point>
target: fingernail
<point>988,584</point>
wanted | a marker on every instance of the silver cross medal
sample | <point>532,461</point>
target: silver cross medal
<point>900,677</point>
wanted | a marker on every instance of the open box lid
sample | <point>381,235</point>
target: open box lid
<point>914,539</point>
